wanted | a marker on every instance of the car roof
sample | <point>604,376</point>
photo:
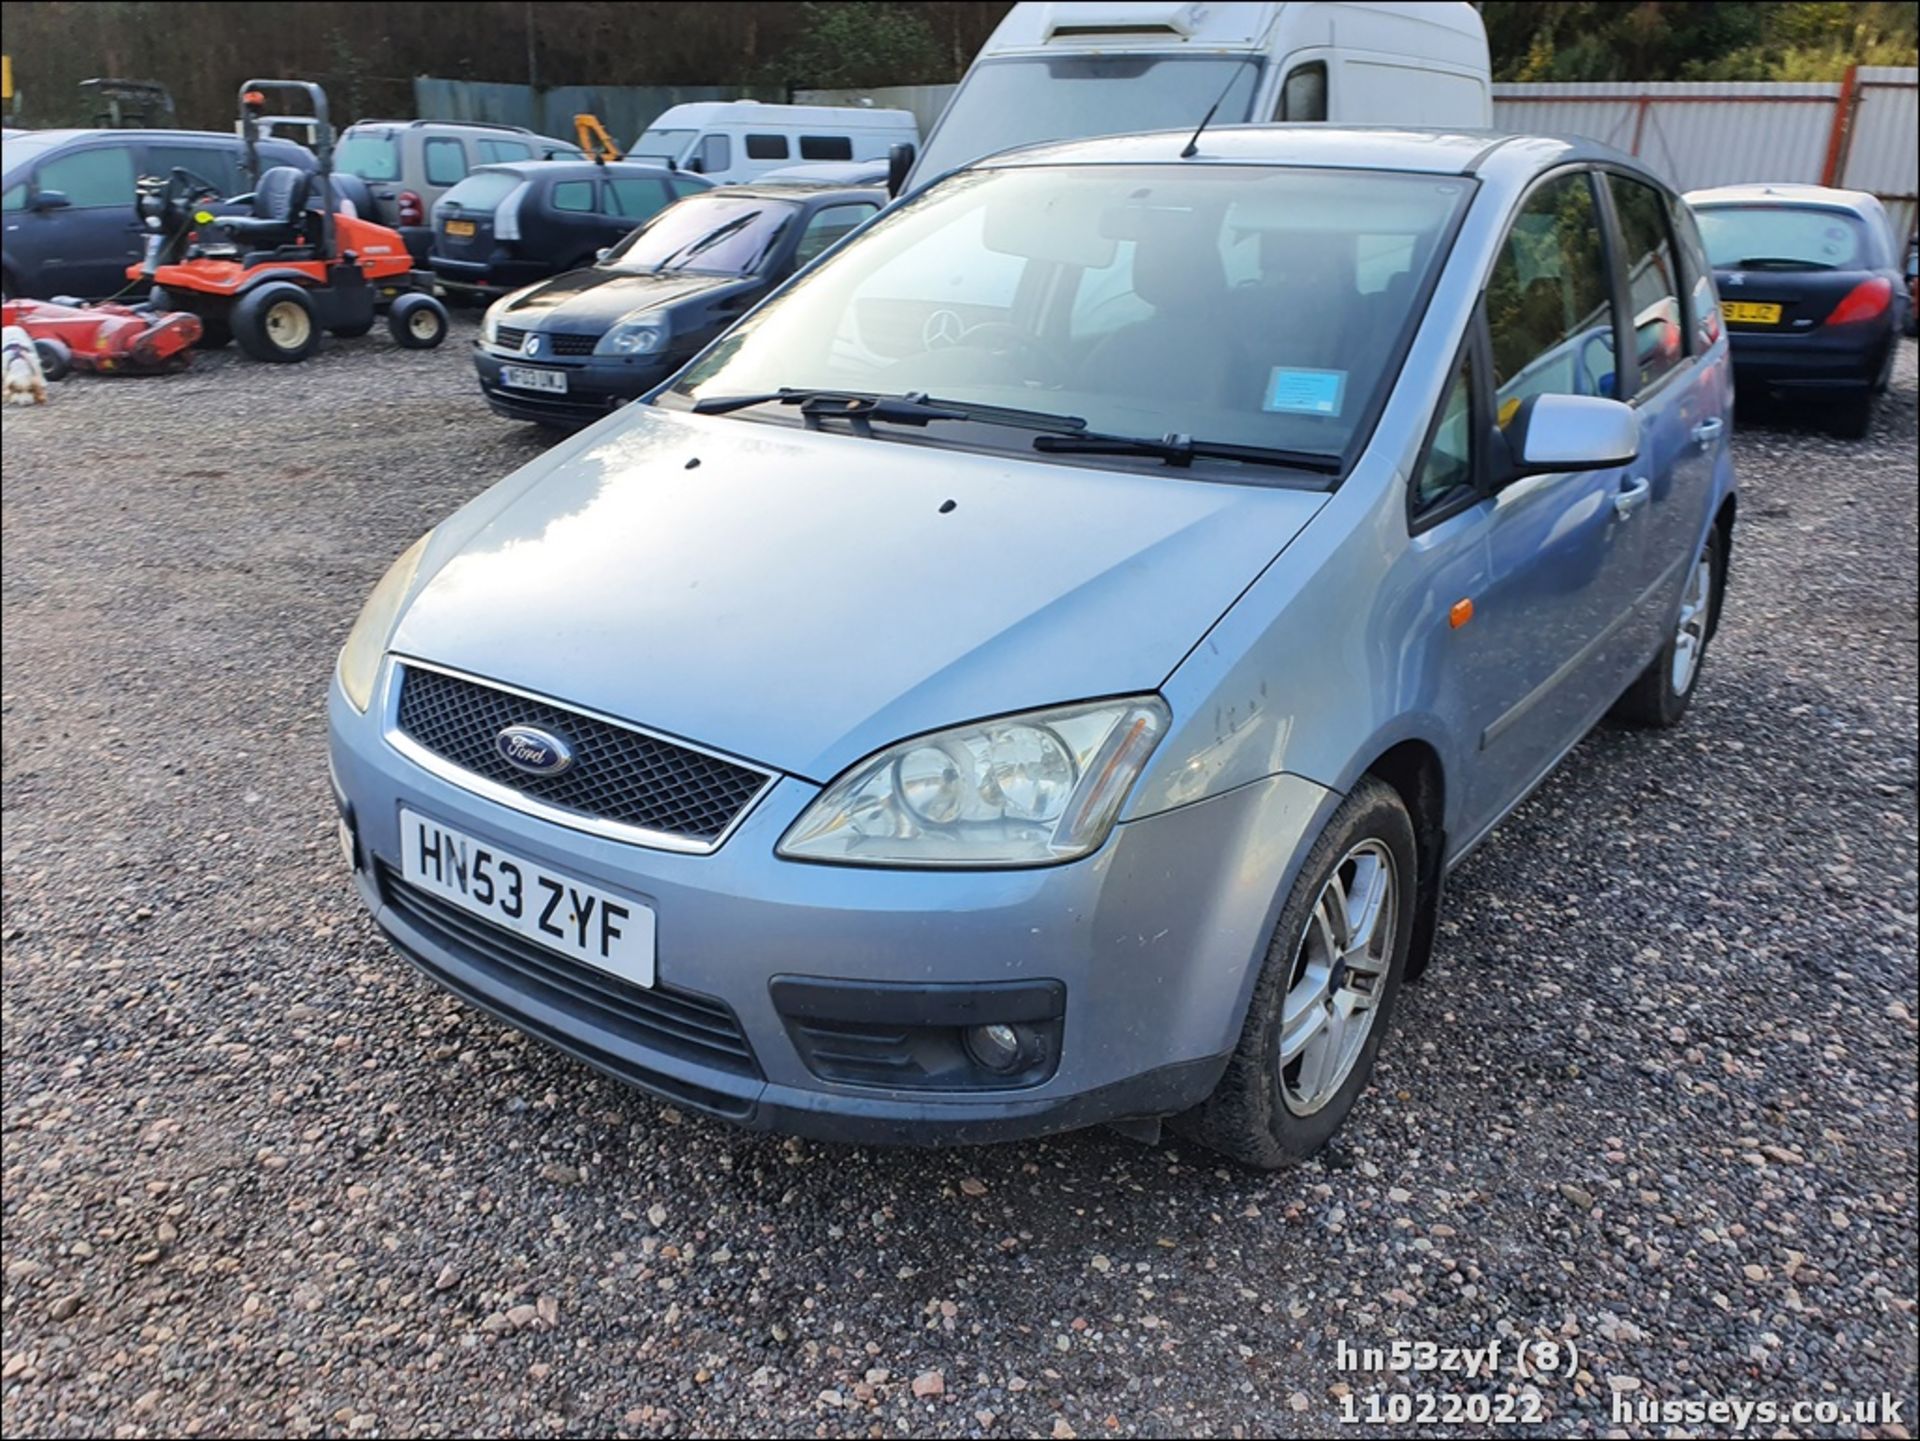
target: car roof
<point>803,190</point>
<point>1341,147</point>
<point>55,137</point>
<point>573,169</point>
<point>1859,202</point>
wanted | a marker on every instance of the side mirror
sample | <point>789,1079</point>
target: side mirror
<point>694,165</point>
<point>50,200</point>
<point>1551,434</point>
<point>602,253</point>
<point>900,157</point>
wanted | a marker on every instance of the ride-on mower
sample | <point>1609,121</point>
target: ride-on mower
<point>276,275</point>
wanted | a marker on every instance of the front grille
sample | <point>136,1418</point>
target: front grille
<point>512,337</point>
<point>660,1019</point>
<point>617,774</point>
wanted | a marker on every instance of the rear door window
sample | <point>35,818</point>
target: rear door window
<point>766,147</point>
<point>1653,277</point>
<point>219,164</point>
<point>446,160</point>
<point>93,178</point>
<point>574,196</point>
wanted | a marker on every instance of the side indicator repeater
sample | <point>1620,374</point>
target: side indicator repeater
<point>1460,614</point>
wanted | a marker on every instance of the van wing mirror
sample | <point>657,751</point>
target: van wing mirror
<point>900,157</point>
<point>51,200</point>
<point>1557,433</point>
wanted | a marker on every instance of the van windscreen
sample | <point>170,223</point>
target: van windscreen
<point>1003,103</point>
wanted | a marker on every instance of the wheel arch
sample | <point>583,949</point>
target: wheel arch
<point>1414,769</point>
<point>1723,522</point>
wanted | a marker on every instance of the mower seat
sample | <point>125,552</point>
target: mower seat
<point>279,211</point>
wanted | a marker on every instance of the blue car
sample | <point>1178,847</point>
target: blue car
<point>1040,666</point>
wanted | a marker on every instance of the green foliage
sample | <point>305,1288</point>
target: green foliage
<point>1681,40</point>
<point>851,45</point>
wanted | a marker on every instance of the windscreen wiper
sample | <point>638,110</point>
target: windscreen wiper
<point>911,408</point>
<point>1779,262</point>
<point>1182,450</point>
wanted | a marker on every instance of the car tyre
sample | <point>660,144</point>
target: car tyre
<point>417,321</point>
<point>56,359</point>
<point>1852,418</point>
<point>1327,966</point>
<point>277,323</point>
<point>1660,697</point>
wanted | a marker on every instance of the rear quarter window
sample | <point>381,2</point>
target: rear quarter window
<point>493,152</point>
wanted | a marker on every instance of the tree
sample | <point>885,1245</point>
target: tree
<point>853,45</point>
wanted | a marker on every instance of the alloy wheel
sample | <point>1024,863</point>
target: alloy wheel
<point>1339,976</point>
<point>1690,639</point>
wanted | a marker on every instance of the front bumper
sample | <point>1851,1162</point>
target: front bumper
<point>1151,946</point>
<point>596,384</point>
<point>1846,360</point>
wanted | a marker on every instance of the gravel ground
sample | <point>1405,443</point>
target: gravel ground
<point>1657,1096</point>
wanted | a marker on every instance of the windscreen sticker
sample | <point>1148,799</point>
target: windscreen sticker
<point>1305,392</point>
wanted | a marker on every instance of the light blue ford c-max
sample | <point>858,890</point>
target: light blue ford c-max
<point>1039,668</point>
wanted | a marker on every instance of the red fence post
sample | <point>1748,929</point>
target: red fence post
<point>1842,123</point>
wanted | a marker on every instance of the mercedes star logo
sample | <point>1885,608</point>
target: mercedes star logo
<point>943,328</point>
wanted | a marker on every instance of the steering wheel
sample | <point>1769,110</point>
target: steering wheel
<point>1004,341</point>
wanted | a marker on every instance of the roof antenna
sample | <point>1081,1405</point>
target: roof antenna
<point>1193,144</point>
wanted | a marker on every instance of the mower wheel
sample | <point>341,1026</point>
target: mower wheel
<point>417,321</point>
<point>56,360</point>
<point>276,323</point>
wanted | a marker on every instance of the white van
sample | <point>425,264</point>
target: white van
<point>729,141</point>
<point>1054,71</point>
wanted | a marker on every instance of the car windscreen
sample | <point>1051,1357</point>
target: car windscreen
<point>19,152</point>
<point>371,157</point>
<point>660,145</point>
<point>1003,103</point>
<point>1796,236</point>
<point>1247,305</point>
<point>715,233</point>
<point>482,190</point>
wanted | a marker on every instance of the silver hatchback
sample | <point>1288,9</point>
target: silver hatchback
<point>1040,667</point>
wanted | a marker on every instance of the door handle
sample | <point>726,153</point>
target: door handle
<point>1708,431</point>
<point>1632,496</point>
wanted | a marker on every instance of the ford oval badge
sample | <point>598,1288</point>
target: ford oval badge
<point>537,752</point>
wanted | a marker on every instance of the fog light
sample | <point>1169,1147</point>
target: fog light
<point>997,1047</point>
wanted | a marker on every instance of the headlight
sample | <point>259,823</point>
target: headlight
<point>490,322</point>
<point>367,642</point>
<point>633,337</point>
<point>1020,791</point>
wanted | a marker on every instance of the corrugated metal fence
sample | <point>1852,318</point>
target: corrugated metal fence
<point>1860,132</point>
<point>625,110</point>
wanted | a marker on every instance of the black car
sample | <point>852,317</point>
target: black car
<point>506,225</point>
<point>1811,290</point>
<point>566,352</point>
<point>71,226</point>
